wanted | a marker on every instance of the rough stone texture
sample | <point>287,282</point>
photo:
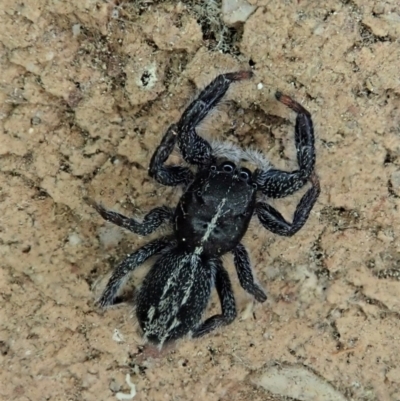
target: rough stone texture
<point>236,11</point>
<point>86,91</point>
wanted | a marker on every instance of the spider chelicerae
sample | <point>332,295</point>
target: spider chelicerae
<point>219,199</point>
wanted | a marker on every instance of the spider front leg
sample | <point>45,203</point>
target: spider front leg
<point>227,299</point>
<point>150,222</point>
<point>195,149</point>
<point>278,184</point>
<point>273,221</point>
<point>121,272</point>
<point>168,175</point>
<point>243,268</point>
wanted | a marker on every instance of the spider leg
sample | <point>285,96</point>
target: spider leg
<point>121,272</point>
<point>150,222</point>
<point>195,149</point>
<point>227,299</point>
<point>278,184</point>
<point>168,175</point>
<point>273,221</point>
<point>245,274</point>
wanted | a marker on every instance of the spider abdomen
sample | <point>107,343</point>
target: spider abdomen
<point>174,296</point>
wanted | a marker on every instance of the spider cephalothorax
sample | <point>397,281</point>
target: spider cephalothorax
<point>210,220</point>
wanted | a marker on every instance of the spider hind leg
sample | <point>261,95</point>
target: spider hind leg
<point>227,299</point>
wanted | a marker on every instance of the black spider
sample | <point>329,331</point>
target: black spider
<point>211,218</point>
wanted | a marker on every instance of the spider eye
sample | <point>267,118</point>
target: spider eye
<point>213,168</point>
<point>244,175</point>
<point>228,167</point>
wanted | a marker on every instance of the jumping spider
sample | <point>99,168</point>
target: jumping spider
<point>220,197</point>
